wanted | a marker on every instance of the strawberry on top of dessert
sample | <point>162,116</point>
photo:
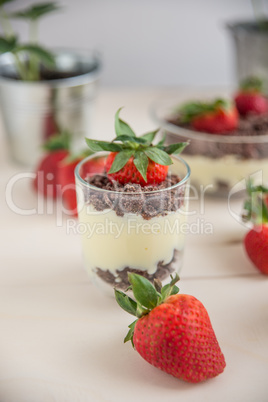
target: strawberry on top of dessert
<point>251,99</point>
<point>135,159</point>
<point>143,192</point>
<point>215,117</point>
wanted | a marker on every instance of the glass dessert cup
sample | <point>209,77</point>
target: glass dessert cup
<point>129,230</point>
<point>219,163</point>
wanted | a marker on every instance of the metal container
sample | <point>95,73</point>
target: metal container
<point>33,111</point>
<point>250,46</point>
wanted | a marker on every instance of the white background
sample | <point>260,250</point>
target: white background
<point>149,42</point>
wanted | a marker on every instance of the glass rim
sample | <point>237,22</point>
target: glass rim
<point>170,103</point>
<point>99,154</point>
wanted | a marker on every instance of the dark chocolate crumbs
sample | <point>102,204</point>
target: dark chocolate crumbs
<point>120,281</point>
<point>251,125</point>
<point>135,199</point>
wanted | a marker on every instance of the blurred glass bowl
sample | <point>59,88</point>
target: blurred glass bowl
<point>218,162</point>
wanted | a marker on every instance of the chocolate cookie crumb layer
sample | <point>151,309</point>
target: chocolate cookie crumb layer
<point>130,198</point>
<point>251,125</point>
<point>120,280</point>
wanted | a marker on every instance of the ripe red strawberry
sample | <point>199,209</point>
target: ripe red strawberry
<point>250,99</point>
<point>173,331</point>
<point>66,177</point>
<point>46,180</point>
<point>256,240</point>
<point>256,245</point>
<point>135,159</point>
<point>155,174</point>
<point>217,117</point>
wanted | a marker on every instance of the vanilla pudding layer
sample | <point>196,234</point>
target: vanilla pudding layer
<point>228,170</point>
<point>113,243</point>
<point>133,228</point>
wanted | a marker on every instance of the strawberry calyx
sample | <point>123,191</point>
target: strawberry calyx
<point>190,110</point>
<point>252,84</point>
<point>127,145</point>
<point>256,205</point>
<point>59,141</point>
<point>148,296</point>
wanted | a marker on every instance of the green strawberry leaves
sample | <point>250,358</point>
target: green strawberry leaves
<point>175,148</point>
<point>125,302</point>
<point>143,290</point>
<point>129,336</point>
<point>121,127</point>
<point>158,156</point>
<point>128,145</point>
<point>189,110</point>
<point>170,289</point>
<point>58,141</point>
<point>149,137</point>
<point>252,84</point>
<point>120,160</point>
<point>141,162</point>
<point>97,146</point>
<point>256,205</point>
<point>147,295</point>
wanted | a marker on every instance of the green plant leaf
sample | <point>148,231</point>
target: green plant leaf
<point>125,302</point>
<point>141,162</point>
<point>120,160</point>
<point>44,56</point>
<point>158,156</point>
<point>175,149</point>
<point>131,141</point>
<point>160,144</point>
<point>8,44</point>
<point>122,127</point>
<point>2,2</point>
<point>129,336</point>
<point>143,290</point>
<point>36,11</point>
<point>149,137</point>
<point>97,146</point>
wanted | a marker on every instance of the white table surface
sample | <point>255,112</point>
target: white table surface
<point>62,340</point>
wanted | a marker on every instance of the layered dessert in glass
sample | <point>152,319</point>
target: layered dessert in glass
<point>221,158</point>
<point>219,162</point>
<point>132,227</point>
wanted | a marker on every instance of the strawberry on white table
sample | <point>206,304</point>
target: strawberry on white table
<point>172,331</point>
<point>256,240</point>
